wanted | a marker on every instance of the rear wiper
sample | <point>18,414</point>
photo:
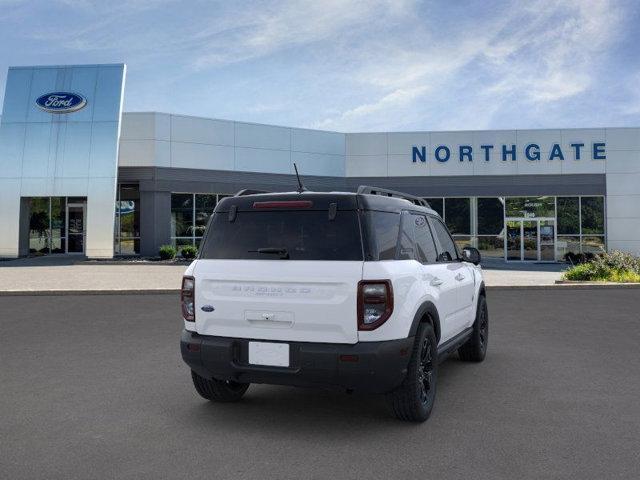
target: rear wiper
<point>284,254</point>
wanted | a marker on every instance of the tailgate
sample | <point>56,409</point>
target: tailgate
<point>307,301</point>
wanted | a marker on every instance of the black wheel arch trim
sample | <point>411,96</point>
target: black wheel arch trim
<point>426,309</point>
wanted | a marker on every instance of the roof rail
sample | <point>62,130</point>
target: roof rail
<point>367,190</point>
<point>249,191</point>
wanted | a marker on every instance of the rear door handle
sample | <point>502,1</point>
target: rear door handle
<point>436,282</point>
<point>459,277</point>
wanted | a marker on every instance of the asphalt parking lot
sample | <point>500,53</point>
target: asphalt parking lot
<point>94,387</point>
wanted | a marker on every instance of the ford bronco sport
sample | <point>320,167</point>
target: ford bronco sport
<point>362,291</point>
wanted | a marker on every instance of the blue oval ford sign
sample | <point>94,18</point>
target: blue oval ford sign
<point>61,102</point>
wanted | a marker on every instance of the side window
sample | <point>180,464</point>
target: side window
<point>448,251</point>
<point>425,246</point>
<point>383,230</point>
<point>405,247</point>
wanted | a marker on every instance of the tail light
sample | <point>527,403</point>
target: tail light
<point>375,303</point>
<point>188,298</point>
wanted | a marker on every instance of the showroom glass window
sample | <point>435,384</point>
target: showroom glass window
<point>127,227</point>
<point>457,215</point>
<point>490,227</point>
<point>530,207</point>
<point>47,224</point>
<point>436,204</point>
<point>190,213</point>
<point>592,221</point>
<point>568,226</point>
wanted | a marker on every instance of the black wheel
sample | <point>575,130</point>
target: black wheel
<point>475,349</point>
<point>218,390</point>
<point>413,400</point>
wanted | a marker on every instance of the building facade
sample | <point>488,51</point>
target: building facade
<point>521,195</point>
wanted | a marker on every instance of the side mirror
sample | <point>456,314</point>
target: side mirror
<point>470,254</point>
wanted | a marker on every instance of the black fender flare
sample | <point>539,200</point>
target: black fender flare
<point>427,309</point>
<point>482,290</point>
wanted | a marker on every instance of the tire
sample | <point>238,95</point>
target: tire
<point>218,390</point>
<point>413,400</point>
<point>475,349</point>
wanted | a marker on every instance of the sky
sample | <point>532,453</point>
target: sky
<point>351,65</point>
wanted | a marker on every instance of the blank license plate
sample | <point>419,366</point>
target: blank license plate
<point>267,353</point>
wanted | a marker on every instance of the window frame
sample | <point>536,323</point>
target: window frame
<point>415,238</point>
<point>193,238</point>
<point>439,247</point>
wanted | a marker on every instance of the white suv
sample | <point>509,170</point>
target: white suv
<point>361,291</point>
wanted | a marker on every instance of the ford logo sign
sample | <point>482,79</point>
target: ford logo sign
<point>61,102</point>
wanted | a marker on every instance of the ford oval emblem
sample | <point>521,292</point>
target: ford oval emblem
<point>61,102</point>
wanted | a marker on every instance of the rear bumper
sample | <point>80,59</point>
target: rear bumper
<point>373,367</point>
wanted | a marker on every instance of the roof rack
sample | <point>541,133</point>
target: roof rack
<point>249,191</point>
<point>367,190</point>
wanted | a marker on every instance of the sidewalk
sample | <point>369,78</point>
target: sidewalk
<point>56,274</point>
<point>498,273</point>
<point>68,274</point>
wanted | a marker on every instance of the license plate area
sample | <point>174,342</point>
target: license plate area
<point>269,354</point>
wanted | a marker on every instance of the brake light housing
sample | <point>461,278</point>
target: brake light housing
<point>375,303</point>
<point>283,204</point>
<point>188,298</point>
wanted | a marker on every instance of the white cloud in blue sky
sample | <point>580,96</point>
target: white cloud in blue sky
<point>350,65</point>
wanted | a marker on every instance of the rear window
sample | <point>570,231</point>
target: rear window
<point>275,235</point>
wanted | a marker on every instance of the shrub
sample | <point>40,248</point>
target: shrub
<point>189,252</point>
<point>578,258</point>
<point>615,266</point>
<point>167,252</point>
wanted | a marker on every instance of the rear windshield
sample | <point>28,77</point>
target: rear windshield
<point>284,235</point>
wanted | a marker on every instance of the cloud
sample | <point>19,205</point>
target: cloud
<point>535,55</point>
<point>342,64</point>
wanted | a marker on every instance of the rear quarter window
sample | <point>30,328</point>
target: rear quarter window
<point>383,229</point>
<point>304,234</point>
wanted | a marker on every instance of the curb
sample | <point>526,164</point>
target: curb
<point>176,291</point>
<point>566,286</point>
<point>23,293</point>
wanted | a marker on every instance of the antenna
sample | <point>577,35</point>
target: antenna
<point>300,185</point>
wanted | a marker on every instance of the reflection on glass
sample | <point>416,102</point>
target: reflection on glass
<point>129,246</point>
<point>514,237</point>
<point>75,236</point>
<point>205,204</point>
<point>567,244</point>
<point>462,241</point>
<point>39,225</point>
<point>181,242</point>
<point>181,214</point>
<point>530,240</point>
<point>568,216</point>
<point>58,217</point>
<point>530,207</point>
<point>457,214</point>
<point>491,246</point>
<point>490,216</point>
<point>58,244</point>
<point>547,241</point>
<point>127,220</point>
<point>436,204</point>
<point>593,244</point>
<point>592,215</point>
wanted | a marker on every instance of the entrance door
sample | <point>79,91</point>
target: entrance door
<point>530,240</point>
<point>547,240</point>
<point>75,227</point>
<point>513,240</point>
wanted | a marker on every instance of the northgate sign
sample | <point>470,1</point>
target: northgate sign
<point>531,152</point>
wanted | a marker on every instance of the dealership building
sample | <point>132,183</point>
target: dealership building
<point>79,176</point>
